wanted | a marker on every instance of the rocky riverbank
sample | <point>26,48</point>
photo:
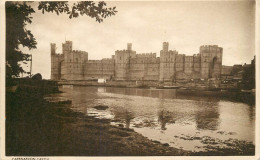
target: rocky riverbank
<point>35,127</point>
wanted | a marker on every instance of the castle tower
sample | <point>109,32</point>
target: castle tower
<point>211,61</point>
<point>122,62</point>
<point>53,48</point>
<point>67,47</point>
<point>165,46</point>
<point>167,63</point>
<point>67,72</point>
<point>55,63</point>
<point>129,46</point>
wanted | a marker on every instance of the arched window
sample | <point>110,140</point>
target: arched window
<point>214,62</point>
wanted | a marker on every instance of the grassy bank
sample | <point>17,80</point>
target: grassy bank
<point>35,127</point>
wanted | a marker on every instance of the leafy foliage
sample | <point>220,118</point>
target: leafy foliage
<point>248,75</point>
<point>98,10</point>
<point>18,15</point>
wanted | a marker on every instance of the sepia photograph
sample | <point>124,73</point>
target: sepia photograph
<point>129,78</point>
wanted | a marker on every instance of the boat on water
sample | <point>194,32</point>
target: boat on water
<point>168,87</point>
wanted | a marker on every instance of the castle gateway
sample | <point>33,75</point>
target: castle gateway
<point>129,66</point>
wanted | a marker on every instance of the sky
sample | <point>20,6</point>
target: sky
<point>147,24</point>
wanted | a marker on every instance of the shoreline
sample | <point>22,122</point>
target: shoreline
<point>199,86</point>
<point>51,129</point>
<point>238,95</point>
<point>35,127</point>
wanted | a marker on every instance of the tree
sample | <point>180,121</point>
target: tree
<point>249,75</point>
<point>18,15</point>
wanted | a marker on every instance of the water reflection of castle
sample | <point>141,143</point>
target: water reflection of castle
<point>206,115</point>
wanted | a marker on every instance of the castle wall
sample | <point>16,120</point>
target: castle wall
<point>127,65</point>
<point>95,69</point>
<point>196,63</point>
<point>63,71</point>
<point>188,65</point>
<point>211,61</point>
<point>137,69</point>
<point>152,69</point>
<point>167,64</point>
<point>122,65</point>
<point>179,66</point>
<point>76,62</point>
<point>73,64</point>
<point>55,66</point>
<point>144,67</point>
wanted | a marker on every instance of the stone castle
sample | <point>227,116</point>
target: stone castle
<point>127,65</point>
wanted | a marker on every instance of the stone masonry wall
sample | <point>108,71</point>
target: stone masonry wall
<point>95,69</point>
<point>144,67</point>
<point>55,66</point>
<point>127,65</point>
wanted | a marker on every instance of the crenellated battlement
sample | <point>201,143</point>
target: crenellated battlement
<point>210,48</point>
<point>165,46</point>
<point>79,52</point>
<point>173,51</point>
<point>146,55</point>
<point>188,59</point>
<point>122,51</point>
<point>94,61</point>
<point>170,52</point>
<point>126,64</point>
<point>197,55</point>
<point>108,60</point>
<point>53,48</point>
<point>59,54</point>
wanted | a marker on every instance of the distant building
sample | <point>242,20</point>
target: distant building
<point>128,65</point>
<point>243,75</point>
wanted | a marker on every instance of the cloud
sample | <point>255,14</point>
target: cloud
<point>185,25</point>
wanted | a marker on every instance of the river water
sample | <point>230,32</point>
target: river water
<point>193,123</point>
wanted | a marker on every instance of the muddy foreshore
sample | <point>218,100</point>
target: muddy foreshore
<point>35,127</point>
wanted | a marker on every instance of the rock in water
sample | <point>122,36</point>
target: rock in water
<point>101,107</point>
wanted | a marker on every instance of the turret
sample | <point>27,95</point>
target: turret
<point>165,46</point>
<point>210,49</point>
<point>53,48</point>
<point>67,47</point>
<point>129,46</point>
<point>211,61</point>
